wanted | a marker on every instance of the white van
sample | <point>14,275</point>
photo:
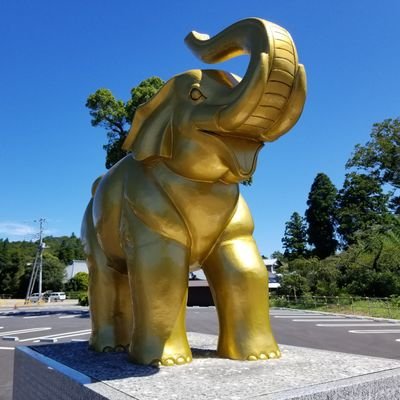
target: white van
<point>57,296</point>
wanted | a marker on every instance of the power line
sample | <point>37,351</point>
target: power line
<point>37,269</point>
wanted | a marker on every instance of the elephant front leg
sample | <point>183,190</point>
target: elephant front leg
<point>158,274</point>
<point>239,283</point>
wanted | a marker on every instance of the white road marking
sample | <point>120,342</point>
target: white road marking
<point>376,331</point>
<point>59,335</point>
<point>68,316</point>
<point>397,340</point>
<point>4,316</point>
<point>306,316</point>
<point>332,320</point>
<point>76,334</point>
<point>37,316</point>
<point>349,325</point>
<point>6,348</point>
<point>24,331</point>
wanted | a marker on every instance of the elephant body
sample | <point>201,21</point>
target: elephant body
<point>191,213</point>
<point>173,204</point>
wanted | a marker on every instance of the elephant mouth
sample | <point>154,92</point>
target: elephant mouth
<point>241,153</point>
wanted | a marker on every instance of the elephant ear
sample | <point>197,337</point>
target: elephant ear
<point>150,135</point>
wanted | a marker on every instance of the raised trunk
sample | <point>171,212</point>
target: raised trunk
<point>260,102</point>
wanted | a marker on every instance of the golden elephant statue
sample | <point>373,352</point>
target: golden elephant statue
<point>173,203</point>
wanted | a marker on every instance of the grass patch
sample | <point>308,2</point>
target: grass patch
<point>372,307</point>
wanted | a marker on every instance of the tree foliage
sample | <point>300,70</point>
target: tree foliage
<point>78,283</point>
<point>361,204</point>
<point>17,259</point>
<point>320,216</point>
<point>371,266</point>
<point>369,261</point>
<point>295,240</point>
<point>380,156</point>
<point>115,116</point>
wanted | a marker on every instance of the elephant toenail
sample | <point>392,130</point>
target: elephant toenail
<point>155,363</point>
<point>251,358</point>
<point>107,349</point>
<point>272,355</point>
<point>263,356</point>
<point>168,362</point>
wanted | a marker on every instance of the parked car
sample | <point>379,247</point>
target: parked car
<point>273,281</point>
<point>34,298</point>
<point>57,296</point>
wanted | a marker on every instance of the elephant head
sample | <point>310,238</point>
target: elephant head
<point>209,125</point>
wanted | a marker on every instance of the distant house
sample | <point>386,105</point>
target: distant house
<point>74,268</point>
<point>272,264</point>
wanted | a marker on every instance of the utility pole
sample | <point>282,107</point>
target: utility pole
<point>37,265</point>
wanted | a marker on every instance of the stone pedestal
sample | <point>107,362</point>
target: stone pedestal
<point>69,371</point>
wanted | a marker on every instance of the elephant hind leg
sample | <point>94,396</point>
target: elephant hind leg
<point>109,296</point>
<point>110,308</point>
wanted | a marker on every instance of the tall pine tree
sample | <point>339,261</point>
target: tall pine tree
<point>295,239</point>
<point>320,216</point>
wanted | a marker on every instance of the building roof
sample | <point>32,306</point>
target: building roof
<point>74,268</point>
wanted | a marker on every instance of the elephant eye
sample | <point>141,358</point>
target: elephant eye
<point>195,94</point>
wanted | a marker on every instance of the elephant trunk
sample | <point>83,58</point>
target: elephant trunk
<point>268,101</point>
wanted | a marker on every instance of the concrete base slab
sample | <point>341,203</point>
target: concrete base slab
<point>70,371</point>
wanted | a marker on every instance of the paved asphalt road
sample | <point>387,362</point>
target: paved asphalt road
<point>61,323</point>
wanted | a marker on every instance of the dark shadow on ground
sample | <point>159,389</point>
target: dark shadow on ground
<point>98,366</point>
<point>32,313</point>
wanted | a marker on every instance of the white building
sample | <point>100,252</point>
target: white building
<point>76,266</point>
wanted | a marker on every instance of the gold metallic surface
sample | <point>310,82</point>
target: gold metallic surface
<point>173,204</point>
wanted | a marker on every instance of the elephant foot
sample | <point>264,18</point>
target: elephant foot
<point>171,360</point>
<point>263,348</point>
<point>157,354</point>
<point>119,348</point>
<point>265,355</point>
<point>105,340</point>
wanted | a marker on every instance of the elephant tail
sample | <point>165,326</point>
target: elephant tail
<point>95,185</point>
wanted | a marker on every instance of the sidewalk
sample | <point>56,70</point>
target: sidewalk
<point>16,303</point>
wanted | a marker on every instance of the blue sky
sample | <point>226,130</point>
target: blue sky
<point>55,53</point>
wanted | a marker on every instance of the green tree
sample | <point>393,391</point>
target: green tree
<point>12,265</point>
<point>279,256</point>
<point>361,204</point>
<point>320,216</point>
<point>321,275</point>
<point>53,273</point>
<point>293,284</point>
<point>5,266</point>
<point>78,283</point>
<point>115,116</point>
<point>295,240</point>
<point>69,249</point>
<point>380,156</point>
<point>371,266</point>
